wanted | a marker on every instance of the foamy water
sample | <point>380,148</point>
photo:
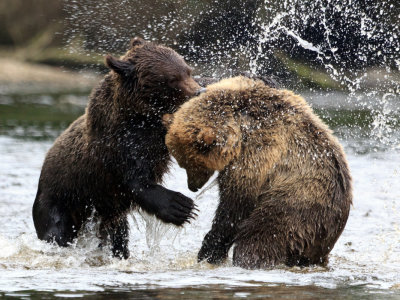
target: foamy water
<point>367,253</point>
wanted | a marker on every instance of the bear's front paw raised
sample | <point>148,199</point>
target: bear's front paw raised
<point>177,209</point>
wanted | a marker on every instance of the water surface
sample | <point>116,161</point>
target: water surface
<point>365,262</point>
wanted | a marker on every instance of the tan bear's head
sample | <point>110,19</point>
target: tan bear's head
<point>202,139</point>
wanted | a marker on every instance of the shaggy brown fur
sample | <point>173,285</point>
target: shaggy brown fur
<point>114,156</point>
<point>285,185</point>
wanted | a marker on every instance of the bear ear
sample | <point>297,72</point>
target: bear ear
<point>207,136</point>
<point>136,42</point>
<point>233,136</point>
<point>121,67</point>
<point>167,120</point>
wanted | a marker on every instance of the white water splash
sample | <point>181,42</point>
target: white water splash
<point>366,253</point>
<point>385,120</point>
<point>303,43</point>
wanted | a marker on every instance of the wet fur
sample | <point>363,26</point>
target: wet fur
<point>113,158</point>
<point>285,185</point>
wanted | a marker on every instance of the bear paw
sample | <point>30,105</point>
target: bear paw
<point>176,209</point>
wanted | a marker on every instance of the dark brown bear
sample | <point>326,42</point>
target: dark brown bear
<point>113,157</point>
<point>285,186</point>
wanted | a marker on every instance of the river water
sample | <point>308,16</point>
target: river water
<point>365,263</point>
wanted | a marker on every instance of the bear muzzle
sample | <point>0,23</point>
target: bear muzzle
<point>197,179</point>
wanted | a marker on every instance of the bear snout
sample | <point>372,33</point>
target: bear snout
<point>193,189</point>
<point>197,178</point>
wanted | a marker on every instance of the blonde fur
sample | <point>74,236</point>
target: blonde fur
<point>273,154</point>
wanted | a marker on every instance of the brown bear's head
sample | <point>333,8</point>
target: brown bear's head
<point>151,79</point>
<point>202,139</point>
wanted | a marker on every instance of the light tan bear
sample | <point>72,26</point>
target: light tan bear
<point>285,185</point>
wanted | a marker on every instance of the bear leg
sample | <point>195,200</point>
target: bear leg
<point>117,232</point>
<point>234,207</point>
<point>214,249</point>
<point>252,250</point>
<point>279,233</point>
<point>53,224</point>
<point>262,238</point>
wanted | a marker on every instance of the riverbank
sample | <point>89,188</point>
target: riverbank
<point>57,71</point>
<point>19,77</point>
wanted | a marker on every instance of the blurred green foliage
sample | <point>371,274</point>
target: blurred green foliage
<point>21,21</point>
